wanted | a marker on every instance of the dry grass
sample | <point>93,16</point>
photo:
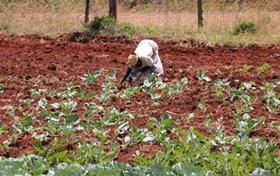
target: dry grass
<point>214,21</point>
<point>218,25</point>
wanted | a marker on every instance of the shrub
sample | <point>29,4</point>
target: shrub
<point>245,27</point>
<point>126,28</point>
<point>102,25</point>
<point>108,25</point>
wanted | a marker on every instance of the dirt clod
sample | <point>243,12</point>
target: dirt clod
<point>52,67</point>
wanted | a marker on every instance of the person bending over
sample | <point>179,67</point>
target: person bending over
<point>144,61</point>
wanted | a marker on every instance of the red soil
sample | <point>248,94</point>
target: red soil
<point>37,61</point>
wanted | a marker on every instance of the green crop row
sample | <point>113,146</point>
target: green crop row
<point>69,142</point>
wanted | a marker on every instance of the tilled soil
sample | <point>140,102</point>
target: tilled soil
<point>35,61</point>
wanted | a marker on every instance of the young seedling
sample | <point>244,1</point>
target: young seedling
<point>91,77</point>
<point>202,76</point>
<point>190,116</point>
<point>264,68</point>
<point>245,124</point>
<point>245,68</point>
<point>202,104</point>
<point>1,88</point>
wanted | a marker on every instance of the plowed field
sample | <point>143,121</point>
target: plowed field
<point>29,62</point>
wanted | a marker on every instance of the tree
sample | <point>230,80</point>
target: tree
<point>87,11</point>
<point>113,8</point>
<point>240,4</point>
<point>199,13</point>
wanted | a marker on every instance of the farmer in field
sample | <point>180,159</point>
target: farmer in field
<point>144,61</point>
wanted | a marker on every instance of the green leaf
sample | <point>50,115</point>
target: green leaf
<point>202,76</point>
<point>149,137</point>
<point>57,155</point>
<point>42,103</point>
<point>3,128</point>
<point>166,121</point>
<point>155,96</point>
<point>264,68</point>
<point>202,104</point>
<point>73,170</point>
<point>190,116</point>
<point>27,121</point>
<point>184,81</point>
<point>11,167</point>
<point>112,75</point>
<point>37,165</point>
<point>157,170</point>
<point>1,88</point>
<point>165,116</point>
<point>188,169</point>
<point>248,85</point>
<point>72,118</point>
<point>91,77</point>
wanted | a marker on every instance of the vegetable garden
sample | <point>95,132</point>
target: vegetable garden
<point>62,112</point>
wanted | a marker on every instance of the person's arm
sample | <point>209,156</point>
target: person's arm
<point>147,61</point>
<point>128,71</point>
<point>147,51</point>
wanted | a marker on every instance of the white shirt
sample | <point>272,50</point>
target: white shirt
<point>147,51</point>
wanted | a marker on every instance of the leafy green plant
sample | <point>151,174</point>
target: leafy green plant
<point>70,91</point>
<point>202,104</point>
<point>95,152</point>
<point>276,127</point>
<point>3,128</point>
<point>245,27</point>
<point>245,124</point>
<point>92,108</point>
<point>108,90</point>
<point>42,103</point>
<point>219,88</point>
<point>264,68</point>
<point>202,76</point>
<point>272,101</point>
<point>190,116</point>
<point>91,77</point>
<point>1,88</point>
<point>37,92</point>
<point>88,142</point>
<point>247,85</point>
<point>245,68</point>
<point>242,94</point>
<point>126,28</point>
<point>102,25</point>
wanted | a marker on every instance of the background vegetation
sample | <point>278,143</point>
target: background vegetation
<point>154,18</point>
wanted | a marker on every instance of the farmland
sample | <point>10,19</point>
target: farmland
<point>214,112</point>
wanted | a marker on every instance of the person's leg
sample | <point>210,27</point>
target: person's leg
<point>134,74</point>
<point>149,70</point>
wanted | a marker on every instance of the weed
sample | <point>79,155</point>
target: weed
<point>264,68</point>
<point>245,68</point>
<point>202,75</point>
<point>91,77</point>
<point>245,27</point>
<point>126,28</point>
<point>102,25</point>
<point>1,88</point>
<point>5,27</point>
